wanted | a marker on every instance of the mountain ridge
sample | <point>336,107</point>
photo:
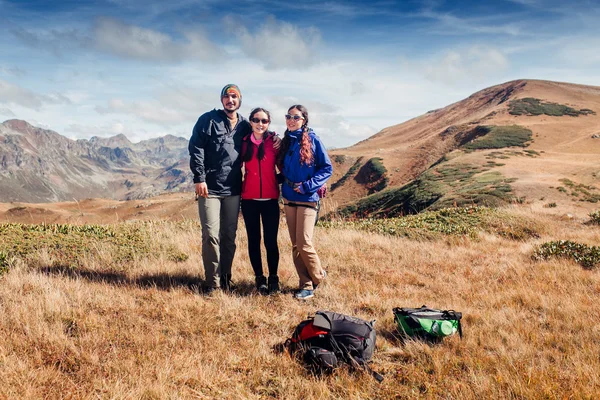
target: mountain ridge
<point>563,124</point>
<point>40,165</point>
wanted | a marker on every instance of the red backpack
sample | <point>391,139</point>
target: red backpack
<point>328,339</point>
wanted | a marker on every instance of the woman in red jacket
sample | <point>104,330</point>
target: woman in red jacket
<point>260,198</point>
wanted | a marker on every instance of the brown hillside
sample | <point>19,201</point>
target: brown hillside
<point>565,143</point>
<point>173,207</point>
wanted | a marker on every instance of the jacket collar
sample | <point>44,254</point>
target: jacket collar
<point>296,134</point>
<point>223,115</point>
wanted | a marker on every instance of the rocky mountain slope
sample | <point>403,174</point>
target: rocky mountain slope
<point>526,141</point>
<point>39,165</point>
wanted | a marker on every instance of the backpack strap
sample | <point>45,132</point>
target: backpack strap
<point>354,361</point>
<point>378,377</point>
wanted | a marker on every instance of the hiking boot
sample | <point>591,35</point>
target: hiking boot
<point>273,284</point>
<point>261,284</point>
<point>304,294</point>
<point>226,285</point>
<point>208,290</point>
<point>316,284</point>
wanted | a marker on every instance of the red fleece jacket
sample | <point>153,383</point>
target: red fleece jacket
<point>260,176</point>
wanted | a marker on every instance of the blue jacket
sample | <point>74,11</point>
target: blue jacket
<point>311,176</point>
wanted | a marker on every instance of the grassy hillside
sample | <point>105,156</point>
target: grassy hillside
<point>444,185</point>
<point>114,311</point>
<point>555,123</point>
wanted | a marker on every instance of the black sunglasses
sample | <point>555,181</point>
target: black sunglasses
<point>256,121</point>
<point>294,117</point>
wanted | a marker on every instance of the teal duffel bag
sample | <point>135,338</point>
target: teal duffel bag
<point>427,323</point>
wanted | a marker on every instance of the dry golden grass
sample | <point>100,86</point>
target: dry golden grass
<point>143,331</point>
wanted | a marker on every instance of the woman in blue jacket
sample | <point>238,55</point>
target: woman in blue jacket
<point>306,167</point>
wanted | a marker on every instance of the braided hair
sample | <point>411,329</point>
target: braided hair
<point>306,150</point>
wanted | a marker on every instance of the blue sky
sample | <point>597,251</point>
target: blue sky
<point>149,68</point>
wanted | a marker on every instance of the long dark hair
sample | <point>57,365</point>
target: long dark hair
<point>247,156</point>
<point>306,151</point>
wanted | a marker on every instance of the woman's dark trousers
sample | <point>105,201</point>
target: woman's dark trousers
<point>267,210</point>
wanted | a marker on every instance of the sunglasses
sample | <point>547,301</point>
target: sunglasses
<point>294,117</point>
<point>256,121</point>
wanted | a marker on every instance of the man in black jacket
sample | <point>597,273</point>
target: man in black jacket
<point>214,149</point>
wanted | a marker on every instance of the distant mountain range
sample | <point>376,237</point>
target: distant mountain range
<point>40,165</point>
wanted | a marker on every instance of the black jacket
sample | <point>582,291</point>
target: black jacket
<point>215,150</point>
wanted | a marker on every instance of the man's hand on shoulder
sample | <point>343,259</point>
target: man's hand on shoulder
<point>276,142</point>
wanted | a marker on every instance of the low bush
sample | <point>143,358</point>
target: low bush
<point>3,263</point>
<point>586,192</point>
<point>351,171</point>
<point>595,217</point>
<point>531,106</point>
<point>340,159</point>
<point>70,245</point>
<point>442,186</point>
<point>587,256</point>
<point>373,175</point>
<point>467,221</point>
<point>499,137</point>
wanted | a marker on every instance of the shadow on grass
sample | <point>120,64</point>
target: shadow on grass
<point>397,337</point>
<point>159,281</point>
<point>148,281</point>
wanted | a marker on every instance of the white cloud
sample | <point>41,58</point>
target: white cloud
<point>149,111</point>
<point>475,63</point>
<point>448,24</point>
<point>131,41</point>
<point>77,96</point>
<point>168,106</point>
<point>280,45</point>
<point>13,94</point>
<point>581,52</point>
<point>6,113</point>
<point>108,129</point>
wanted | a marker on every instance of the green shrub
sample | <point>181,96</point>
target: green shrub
<point>587,256</point>
<point>520,200</point>
<point>340,159</point>
<point>531,106</point>
<point>444,185</point>
<point>351,171</point>
<point>377,166</point>
<point>3,263</point>
<point>69,245</point>
<point>499,137</point>
<point>531,153</point>
<point>595,217</point>
<point>444,222</point>
<point>378,179</point>
<point>587,192</point>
